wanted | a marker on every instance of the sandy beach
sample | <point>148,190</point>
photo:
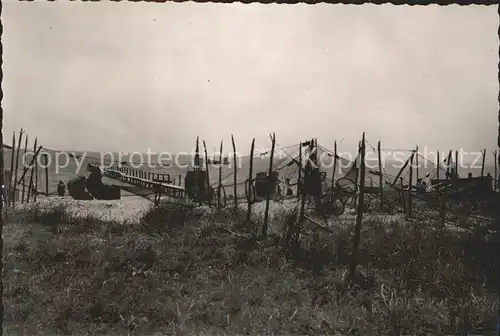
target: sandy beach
<point>128,208</point>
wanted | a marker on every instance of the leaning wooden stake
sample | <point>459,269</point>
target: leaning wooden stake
<point>25,170</point>
<point>410,186</point>
<point>28,195</point>
<point>302,188</point>
<point>448,160</point>
<point>482,163</point>
<point>32,175</point>
<point>269,181</point>
<point>12,185</point>
<point>403,195</point>
<point>359,215</point>
<point>456,164</point>
<point>299,176</point>
<point>219,189</point>
<point>23,182</point>
<point>235,171</point>
<point>356,189</point>
<point>334,165</point>
<point>380,177</point>
<point>208,174</point>
<point>417,167</point>
<point>438,169</point>
<point>249,184</point>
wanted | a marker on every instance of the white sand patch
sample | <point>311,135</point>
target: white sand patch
<point>128,208</point>
<point>131,208</point>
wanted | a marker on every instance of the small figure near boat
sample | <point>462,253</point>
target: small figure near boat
<point>421,186</point>
<point>289,190</point>
<point>61,188</point>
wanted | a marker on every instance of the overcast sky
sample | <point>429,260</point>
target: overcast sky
<point>132,76</point>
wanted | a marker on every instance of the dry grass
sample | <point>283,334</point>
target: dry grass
<point>184,272</point>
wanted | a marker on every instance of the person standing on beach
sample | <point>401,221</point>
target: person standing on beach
<point>61,188</point>
<point>289,191</point>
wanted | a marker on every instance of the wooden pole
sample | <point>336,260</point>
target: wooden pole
<point>302,190</point>
<point>235,171</point>
<point>438,169</point>
<point>250,182</point>
<point>30,164</point>
<point>314,159</point>
<point>396,179</point>
<point>442,214</point>
<point>417,166</point>
<point>334,165</point>
<point>403,196</point>
<point>46,164</point>
<point>300,171</point>
<point>219,189</point>
<point>410,185</point>
<point>482,163</point>
<point>180,176</point>
<point>36,180</point>
<point>23,183</point>
<point>269,181</point>
<point>1,231</point>
<point>17,166</point>
<point>12,185</point>
<point>208,174</point>
<point>456,164</point>
<point>359,215</point>
<point>380,178</point>
<point>32,175</point>
<point>448,161</point>
<point>197,168</point>
<point>357,170</point>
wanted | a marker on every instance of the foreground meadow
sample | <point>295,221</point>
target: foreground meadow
<point>183,271</point>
